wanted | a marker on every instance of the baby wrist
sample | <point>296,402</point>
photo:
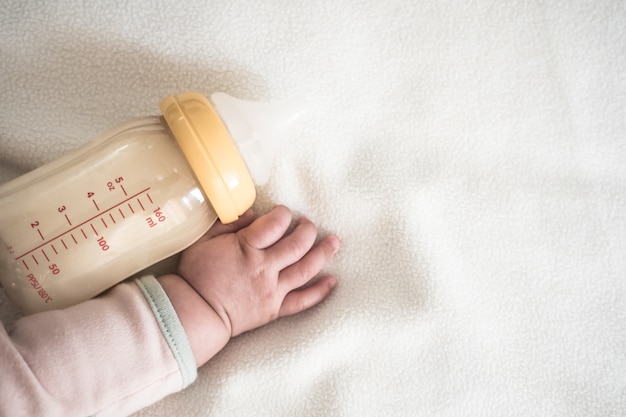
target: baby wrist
<point>204,328</point>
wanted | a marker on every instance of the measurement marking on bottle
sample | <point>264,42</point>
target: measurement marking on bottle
<point>35,259</point>
<point>112,219</point>
<point>83,232</point>
<point>54,249</point>
<point>123,189</point>
<point>68,220</point>
<point>45,256</point>
<point>40,234</point>
<point>117,206</point>
<point>106,226</point>
<point>141,205</point>
<point>149,198</point>
<point>131,208</point>
<point>25,265</point>
<point>96,204</point>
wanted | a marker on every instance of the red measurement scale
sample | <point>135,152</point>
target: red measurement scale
<point>91,228</point>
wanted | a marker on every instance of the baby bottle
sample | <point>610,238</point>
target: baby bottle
<point>139,193</point>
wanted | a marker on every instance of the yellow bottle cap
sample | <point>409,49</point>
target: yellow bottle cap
<point>211,153</point>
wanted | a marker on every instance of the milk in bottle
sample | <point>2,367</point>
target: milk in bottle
<point>132,197</point>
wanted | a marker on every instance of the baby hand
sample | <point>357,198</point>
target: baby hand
<point>252,272</point>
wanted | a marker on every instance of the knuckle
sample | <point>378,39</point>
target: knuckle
<point>294,250</point>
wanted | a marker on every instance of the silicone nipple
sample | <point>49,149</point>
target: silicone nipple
<point>257,128</point>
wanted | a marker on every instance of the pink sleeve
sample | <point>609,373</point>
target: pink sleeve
<point>112,355</point>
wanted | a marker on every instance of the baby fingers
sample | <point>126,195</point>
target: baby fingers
<point>292,247</point>
<point>299,273</point>
<point>267,229</point>
<point>299,300</point>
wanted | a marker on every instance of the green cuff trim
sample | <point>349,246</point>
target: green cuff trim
<point>170,326</point>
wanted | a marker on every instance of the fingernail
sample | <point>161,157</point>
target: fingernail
<point>335,243</point>
<point>332,283</point>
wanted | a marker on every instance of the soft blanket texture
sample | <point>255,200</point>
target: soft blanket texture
<point>471,156</point>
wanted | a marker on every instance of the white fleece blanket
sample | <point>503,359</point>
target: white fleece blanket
<point>470,155</point>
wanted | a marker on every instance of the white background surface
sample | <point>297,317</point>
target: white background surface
<point>470,155</point>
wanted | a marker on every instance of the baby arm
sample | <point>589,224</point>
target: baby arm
<point>109,355</point>
<point>106,356</point>
<point>242,276</point>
